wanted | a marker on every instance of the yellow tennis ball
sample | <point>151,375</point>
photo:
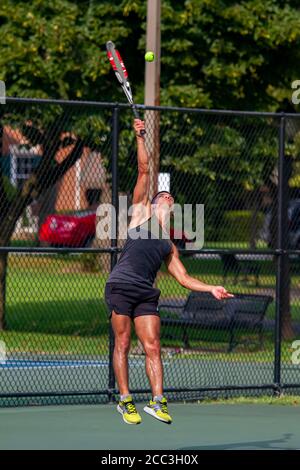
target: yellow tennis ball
<point>149,56</point>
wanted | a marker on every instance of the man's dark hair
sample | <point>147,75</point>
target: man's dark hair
<point>153,201</point>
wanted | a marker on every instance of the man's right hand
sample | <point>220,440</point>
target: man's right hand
<point>219,292</point>
<point>139,126</point>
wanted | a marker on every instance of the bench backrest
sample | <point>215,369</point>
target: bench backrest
<point>248,306</point>
<point>203,303</point>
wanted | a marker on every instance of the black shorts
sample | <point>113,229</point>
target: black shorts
<point>130,300</point>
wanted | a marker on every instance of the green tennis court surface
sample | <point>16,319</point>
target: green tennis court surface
<point>195,427</point>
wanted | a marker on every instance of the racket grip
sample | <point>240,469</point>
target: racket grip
<point>137,116</point>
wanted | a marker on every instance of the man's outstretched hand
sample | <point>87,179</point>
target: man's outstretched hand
<point>138,126</point>
<point>220,293</point>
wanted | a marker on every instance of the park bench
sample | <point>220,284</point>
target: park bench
<point>202,311</point>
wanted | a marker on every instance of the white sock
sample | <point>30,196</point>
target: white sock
<point>123,397</point>
<point>158,398</point>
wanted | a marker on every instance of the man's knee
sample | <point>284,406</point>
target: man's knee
<point>122,342</point>
<point>152,347</point>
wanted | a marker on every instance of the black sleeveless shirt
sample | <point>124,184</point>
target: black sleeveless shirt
<point>146,247</point>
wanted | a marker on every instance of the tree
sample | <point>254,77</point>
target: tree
<point>215,53</point>
<point>42,51</point>
<point>45,176</point>
<point>229,54</point>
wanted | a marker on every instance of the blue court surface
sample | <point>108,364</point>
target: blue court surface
<point>18,363</point>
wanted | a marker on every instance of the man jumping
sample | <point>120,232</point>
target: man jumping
<point>130,294</point>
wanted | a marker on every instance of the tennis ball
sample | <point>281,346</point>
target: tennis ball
<point>149,56</point>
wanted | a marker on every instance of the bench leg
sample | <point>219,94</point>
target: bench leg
<point>232,342</point>
<point>261,336</point>
<point>185,337</point>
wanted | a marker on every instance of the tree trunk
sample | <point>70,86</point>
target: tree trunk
<point>3,256</point>
<point>287,325</point>
<point>254,220</point>
<point>45,176</point>
<point>46,204</point>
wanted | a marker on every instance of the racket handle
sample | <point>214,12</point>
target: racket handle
<point>135,112</point>
<point>137,116</point>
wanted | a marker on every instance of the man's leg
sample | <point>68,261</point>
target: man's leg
<point>147,328</point>
<point>121,325</point>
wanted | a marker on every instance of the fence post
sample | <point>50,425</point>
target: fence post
<point>282,255</point>
<point>3,256</point>
<point>114,240</point>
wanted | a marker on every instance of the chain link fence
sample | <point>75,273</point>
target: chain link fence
<point>59,162</point>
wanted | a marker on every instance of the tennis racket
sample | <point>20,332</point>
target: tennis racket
<point>119,68</point>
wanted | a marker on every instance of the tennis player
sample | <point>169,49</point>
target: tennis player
<point>130,294</point>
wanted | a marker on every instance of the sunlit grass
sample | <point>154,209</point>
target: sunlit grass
<point>52,304</point>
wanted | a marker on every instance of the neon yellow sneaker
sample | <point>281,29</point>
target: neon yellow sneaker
<point>159,410</point>
<point>128,411</point>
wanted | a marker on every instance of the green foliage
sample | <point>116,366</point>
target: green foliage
<point>9,189</point>
<point>57,49</point>
<point>218,161</point>
<point>215,53</point>
<point>90,262</point>
<point>237,225</point>
<point>230,50</point>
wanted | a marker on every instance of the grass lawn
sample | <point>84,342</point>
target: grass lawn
<point>289,400</point>
<point>211,272</point>
<point>52,306</point>
<point>54,344</point>
<point>228,245</point>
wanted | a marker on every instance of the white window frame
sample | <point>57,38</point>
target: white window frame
<point>17,152</point>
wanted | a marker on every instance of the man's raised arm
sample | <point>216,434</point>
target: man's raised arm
<point>142,187</point>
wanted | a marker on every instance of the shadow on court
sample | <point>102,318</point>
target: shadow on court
<point>268,444</point>
<point>195,427</point>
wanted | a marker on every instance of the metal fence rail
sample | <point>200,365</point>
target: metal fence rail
<point>58,161</point>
